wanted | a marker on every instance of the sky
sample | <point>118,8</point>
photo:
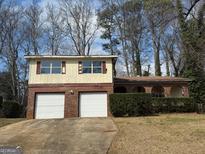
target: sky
<point>97,45</point>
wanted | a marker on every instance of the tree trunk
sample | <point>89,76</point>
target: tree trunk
<point>157,57</point>
<point>138,63</point>
<point>126,64</point>
<point>156,47</point>
<point>167,64</point>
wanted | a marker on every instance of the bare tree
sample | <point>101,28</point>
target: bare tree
<point>79,18</point>
<point>54,29</point>
<point>11,48</point>
<point>134,33</point>
<point>4,13</point>
<point>159,14</point>
<point>34,25</point>
<point>119,19</point>
<point>123,27</point>
<point>193,3</point>
<point>171,44</point>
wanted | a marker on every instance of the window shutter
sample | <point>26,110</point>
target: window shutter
<point>63,67</point>
<point>80,67</point>
<point>104,67</point>
<point>38,67</point>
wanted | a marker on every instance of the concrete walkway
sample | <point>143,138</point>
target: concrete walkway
<point>73,136</point>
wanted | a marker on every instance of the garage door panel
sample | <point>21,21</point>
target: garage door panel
<point>46,98</point>
<point>46,109</point>
<point>49,106</point>
<point>57,113</point>
<point>51,98</point>
<point>49,116</point>
<point>93,105</point>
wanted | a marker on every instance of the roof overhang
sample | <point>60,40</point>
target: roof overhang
<point>131,80</point>
<point>70,57</point>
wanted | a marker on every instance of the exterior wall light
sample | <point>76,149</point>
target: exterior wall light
<point>71,92</point>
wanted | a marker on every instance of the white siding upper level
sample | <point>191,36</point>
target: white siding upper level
<point>72,74</point>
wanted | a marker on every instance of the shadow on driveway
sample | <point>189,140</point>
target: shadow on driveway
<point>75,135</point>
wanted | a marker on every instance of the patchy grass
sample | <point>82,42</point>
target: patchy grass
<point>7,121</point>
<point>167,133</point>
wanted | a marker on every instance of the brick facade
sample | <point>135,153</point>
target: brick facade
<point>71,91</point>
<point>130,87</point>
<point>170,86</point>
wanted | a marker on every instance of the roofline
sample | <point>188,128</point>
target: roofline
<point>154,79</point>
<point>67,57</point>
<point>148,82</point>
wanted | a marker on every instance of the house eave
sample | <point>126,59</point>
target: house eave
<point>70,57</point>
<point>148,80</point>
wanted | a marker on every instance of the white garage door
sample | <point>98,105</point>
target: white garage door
<point>93,105</point>
<point>49,106</point>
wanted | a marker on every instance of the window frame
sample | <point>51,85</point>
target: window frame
<point>92,67</point>
<point>97,67</point>
<point>50,67</point>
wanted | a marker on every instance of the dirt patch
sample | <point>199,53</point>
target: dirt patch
<point>168,133</point>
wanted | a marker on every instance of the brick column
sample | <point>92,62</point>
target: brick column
<point>66,105</point>
<point>185,91</point>
<point>71,101</point>
<point>167,91</point>
<point>148,90</point>
<point>30,106</point>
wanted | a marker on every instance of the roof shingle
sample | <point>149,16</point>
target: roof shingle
<point>150,79</point>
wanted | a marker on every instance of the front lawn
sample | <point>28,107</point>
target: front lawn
<point>7,121</point>
<point>167,133</point>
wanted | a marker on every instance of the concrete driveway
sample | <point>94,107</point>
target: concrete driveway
<point>78,135</point>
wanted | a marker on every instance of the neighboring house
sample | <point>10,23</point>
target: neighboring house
<point>78,86</point>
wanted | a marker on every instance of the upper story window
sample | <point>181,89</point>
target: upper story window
<point>92,67</point>
<point>51,67</point>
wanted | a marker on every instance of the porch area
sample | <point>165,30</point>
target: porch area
<point>157,86</point>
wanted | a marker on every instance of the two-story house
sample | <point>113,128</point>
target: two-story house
<point>69,86</point>
<point>78,86</point>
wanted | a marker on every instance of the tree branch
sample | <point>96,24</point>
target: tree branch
<point>191,8</point>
